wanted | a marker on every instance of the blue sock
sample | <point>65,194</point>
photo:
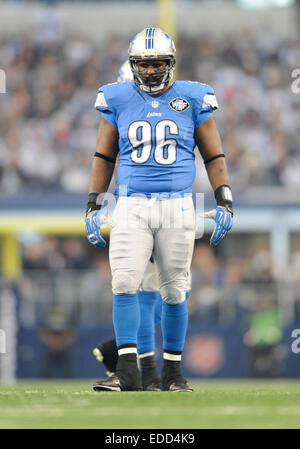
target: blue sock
<point>146,332</point>
<point>126,318</point>
<point>158,306</point>
<point>174,322</point>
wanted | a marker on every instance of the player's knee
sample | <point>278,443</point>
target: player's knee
<point>124,283</point>
<point>173,295</point>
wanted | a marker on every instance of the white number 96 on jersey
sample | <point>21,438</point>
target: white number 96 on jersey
<point>140,137</point>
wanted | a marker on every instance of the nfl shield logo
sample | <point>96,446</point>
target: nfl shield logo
<point>154,104</point>
<point>179,104</point>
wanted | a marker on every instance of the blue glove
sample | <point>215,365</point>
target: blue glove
<point>223,219</point>
<point>93,222</point>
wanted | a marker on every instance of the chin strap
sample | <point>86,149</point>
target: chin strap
<point>154,90</point>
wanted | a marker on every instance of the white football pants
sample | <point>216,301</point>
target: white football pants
<point>150,281</point>
<point>142,226</point>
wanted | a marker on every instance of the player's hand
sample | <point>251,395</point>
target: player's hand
<point>93,222</point>
<point>223,219</point>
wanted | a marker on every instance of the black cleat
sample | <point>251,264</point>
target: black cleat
<point>150,377</point>
<point>107,353</point>
<point>180,386</point>
<point>172,378</point>
<point>154,386</point>
<point>127,377</point>
<point>110,384</point>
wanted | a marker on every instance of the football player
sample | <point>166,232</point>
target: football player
<point>154,125</point>
<point>150,310</point>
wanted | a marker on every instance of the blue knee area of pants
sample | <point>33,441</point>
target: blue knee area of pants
<point>146,332</point>
<point>126,318</point>
<point>174,322</point>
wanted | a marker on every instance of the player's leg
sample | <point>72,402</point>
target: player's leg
<point>107,352</point>
<point>173,250</point>
<point>158,303</point>
<point>148,297</point>
<point>131,244</point>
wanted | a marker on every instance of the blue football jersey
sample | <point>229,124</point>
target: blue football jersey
<point>156,135</point>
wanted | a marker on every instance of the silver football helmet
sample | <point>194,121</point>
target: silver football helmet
<point>125,73</point>
<point>152,44</point>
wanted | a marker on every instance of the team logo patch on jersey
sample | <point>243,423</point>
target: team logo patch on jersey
<point>155,104</point>
<point>179,104</point>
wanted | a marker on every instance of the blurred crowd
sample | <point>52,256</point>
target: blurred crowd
<point>48,123</point>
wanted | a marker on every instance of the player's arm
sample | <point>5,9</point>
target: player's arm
<point>105,157</point>
<point>101,174</point>
<point>210,146</point>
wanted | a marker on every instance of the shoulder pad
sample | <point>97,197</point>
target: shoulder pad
<point>202,95</point>
<point>110,95</point>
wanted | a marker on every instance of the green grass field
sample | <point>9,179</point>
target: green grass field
<point>214,404</point>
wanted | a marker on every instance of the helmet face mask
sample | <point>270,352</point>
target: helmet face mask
<point>153,81</point>
<point>153,47</point>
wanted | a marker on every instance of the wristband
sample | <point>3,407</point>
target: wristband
<point>92,203</point>
<point>223,197</point>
